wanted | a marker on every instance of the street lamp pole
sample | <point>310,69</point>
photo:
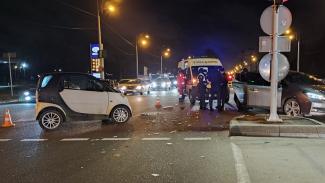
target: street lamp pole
<point>137,56</point>
<point>101,46</point>
<point>298,56</point>
<point>161,62</point>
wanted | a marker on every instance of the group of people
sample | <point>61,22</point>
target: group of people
<point>216,84</point>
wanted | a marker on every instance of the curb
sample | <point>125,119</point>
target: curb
<point>276,130</point>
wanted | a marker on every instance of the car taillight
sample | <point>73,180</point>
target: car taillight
<point>229,78</point>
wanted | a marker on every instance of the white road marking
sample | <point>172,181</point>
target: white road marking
<point>33,140</point>
<point>242,173</point>
<point>197,138</point>
<point>115,139</point>
<point>161,138</point>
<point>75,139</point>
<point>4,140</point>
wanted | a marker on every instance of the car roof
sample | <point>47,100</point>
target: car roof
<point>66,73</point>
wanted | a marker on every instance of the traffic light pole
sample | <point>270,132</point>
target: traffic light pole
<point>274,117</point>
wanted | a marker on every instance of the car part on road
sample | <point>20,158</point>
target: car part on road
<point>238,104</point>
<point>50,119</point>
<point>291,107</point>
<point>192,98</point>
<point>120,114</point>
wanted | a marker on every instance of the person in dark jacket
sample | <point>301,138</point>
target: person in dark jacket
<point>214,79</point>
<point>222,92</point>
<point>202,90</point>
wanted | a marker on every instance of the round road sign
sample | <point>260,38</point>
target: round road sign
<point>285,20</point>
<point>265,65</point>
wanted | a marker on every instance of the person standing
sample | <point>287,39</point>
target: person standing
<point>214,80</point>
<point>202,90</point>
<point>222,91</point>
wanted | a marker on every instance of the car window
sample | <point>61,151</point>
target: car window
<point>305,79</point>
<point>46,81</point>
<point>82,82</point>
<point>256,79</point>
<point>124,81</point>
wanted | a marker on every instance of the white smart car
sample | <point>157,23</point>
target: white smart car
<point>76,96</point>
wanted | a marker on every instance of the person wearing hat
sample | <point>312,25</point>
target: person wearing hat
<point>202,90</point>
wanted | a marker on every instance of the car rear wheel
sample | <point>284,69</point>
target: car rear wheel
<point>292,108</point>
<point>120,114</point>
<point>50,119</point>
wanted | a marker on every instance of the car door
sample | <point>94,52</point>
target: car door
<point>259,92</point>
<point>84,94</point>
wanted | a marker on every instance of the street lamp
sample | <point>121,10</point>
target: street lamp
<point>111,8</point>
<point>166,54</point>
<point>24,66</point>
<point>143,41</point>
<point>292,37</point>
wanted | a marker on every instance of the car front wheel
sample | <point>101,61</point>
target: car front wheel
<point>120,114</point>
<point>50,119</point>
<point>292,108</point>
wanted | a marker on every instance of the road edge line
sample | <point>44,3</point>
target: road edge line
<point>241,170</point>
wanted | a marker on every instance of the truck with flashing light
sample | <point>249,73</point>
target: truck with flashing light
<point>188,72</point>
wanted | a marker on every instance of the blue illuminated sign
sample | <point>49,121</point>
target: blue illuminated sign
<point>94,51</point>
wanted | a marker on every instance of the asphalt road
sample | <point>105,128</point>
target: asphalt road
<point>181,144</point>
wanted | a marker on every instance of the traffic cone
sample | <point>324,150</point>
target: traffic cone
<point>158,105</point>
<point>7,122</point>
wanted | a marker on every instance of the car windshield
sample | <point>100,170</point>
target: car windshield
<point>130,81</point>
<point>303,79</point>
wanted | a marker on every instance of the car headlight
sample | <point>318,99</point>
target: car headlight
<point>315,96</point>
<point>123,87</point>
<point>138,88</point>
<point>28,98</point>
<point>175,82</point>
<point>26,93</point>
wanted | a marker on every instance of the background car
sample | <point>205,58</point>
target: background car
<point>161,84</point>
<point>28,95</point>
<point>298,93</point>
<point>134,86</point>
<point>173,80</point>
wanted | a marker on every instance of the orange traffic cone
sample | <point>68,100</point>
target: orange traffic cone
<point>7,122</point>
<point>158,105</point>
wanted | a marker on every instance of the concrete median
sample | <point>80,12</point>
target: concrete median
<point>257,126</point>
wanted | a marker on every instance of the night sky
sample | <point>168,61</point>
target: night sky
<point>53,34</point>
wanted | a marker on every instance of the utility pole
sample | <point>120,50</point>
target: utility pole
<point>101,46</point>
<point>274,67</point>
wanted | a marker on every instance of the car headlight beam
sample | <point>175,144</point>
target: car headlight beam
<point>26,93</point>
<point>315,96</point>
